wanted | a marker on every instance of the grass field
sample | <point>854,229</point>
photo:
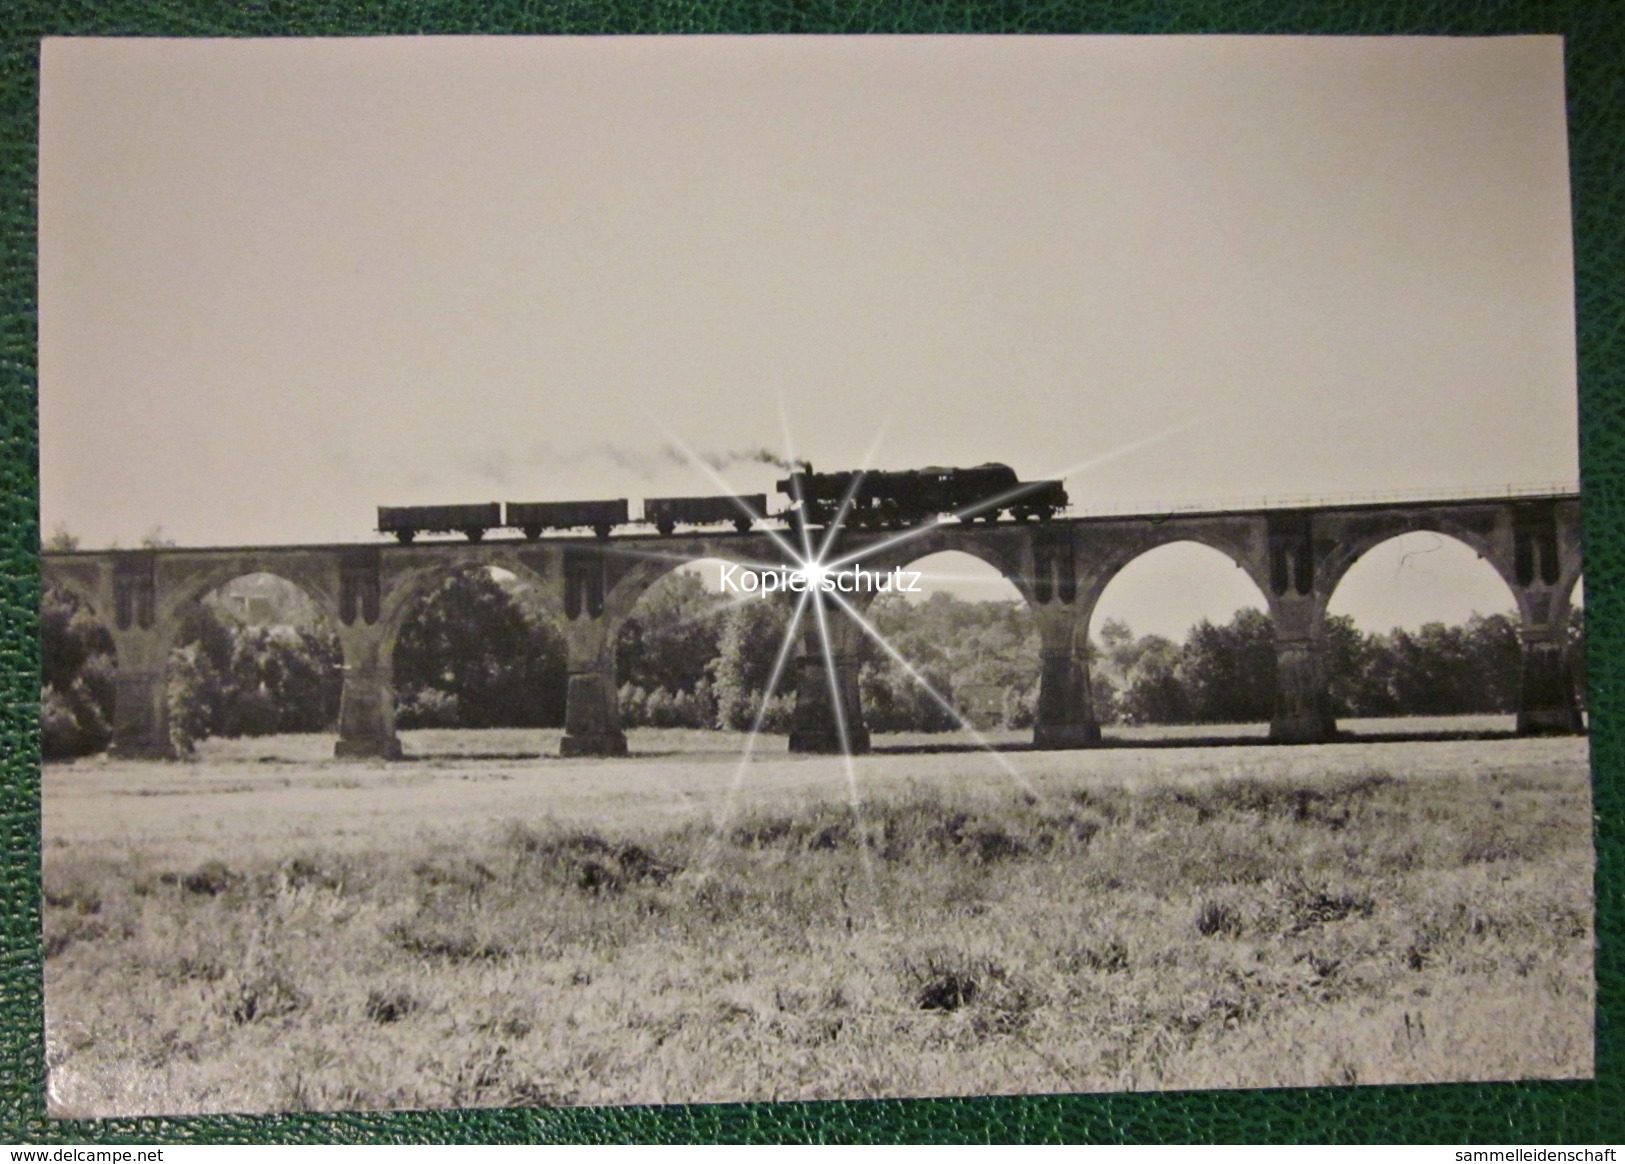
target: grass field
<point>489,925</point>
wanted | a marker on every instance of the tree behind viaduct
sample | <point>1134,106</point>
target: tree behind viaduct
<point>1061,568</point>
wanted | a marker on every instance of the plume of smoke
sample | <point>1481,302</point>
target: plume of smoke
<point>646,463</point>
<point>501,466</point>
<point>756,456</point>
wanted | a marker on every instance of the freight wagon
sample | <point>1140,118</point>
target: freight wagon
<point>535,516</point>
<point>407,521</point>
<point>667,513</point>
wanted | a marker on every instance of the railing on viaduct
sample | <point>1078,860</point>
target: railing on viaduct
<point>1296,556</point>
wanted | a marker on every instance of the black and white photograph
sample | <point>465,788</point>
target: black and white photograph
<point>673,570</point>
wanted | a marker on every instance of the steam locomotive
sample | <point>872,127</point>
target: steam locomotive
<point>886,500</point>
<point>878,500</point>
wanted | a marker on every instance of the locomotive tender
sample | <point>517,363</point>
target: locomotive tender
<point>879,500</point>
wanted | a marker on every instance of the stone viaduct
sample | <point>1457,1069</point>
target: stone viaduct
<point>1296,557</point>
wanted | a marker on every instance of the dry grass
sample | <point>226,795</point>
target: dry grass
<point>243,936</point>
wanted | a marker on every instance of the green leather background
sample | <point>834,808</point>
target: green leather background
<point>1549,1112</point>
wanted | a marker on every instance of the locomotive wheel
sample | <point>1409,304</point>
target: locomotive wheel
<point>474,534</point>
<point>405,536</point>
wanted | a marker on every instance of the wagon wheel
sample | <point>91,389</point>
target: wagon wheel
<point>602,530</point>
<point>405,536</point>
<point>474,533</point>
<point>742,524</point>
<point>532,532</point>
<point>666,527</point>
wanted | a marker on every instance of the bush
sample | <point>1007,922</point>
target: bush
<point>78,678</point>
<point>634,702</point>
<point>196,695</point>
<point>696,708</point>
<point>666,708</point>
<point>1216,919</point>
<point>427,707</point>
<point>752,634</point>
<point>1021,708</point>
<point>251,712</point>
<point>60,736</point>
<point>894,701</point>
<point>228,679</point>
<point>501,661</point>
<point>779,715</point>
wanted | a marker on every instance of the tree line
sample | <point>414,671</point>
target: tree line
<point>255,658</point>
<point>1225,673</point>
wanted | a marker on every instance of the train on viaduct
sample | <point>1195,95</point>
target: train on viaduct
<point>1060,567</point>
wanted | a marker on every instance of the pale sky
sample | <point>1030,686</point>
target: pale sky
<point>284,282</point>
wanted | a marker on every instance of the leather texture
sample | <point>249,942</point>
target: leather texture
<point>1579,1112</point>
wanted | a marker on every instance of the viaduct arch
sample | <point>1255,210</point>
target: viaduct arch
<point>1061,568</point>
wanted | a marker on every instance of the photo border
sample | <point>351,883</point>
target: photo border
<point>1564,1112</point>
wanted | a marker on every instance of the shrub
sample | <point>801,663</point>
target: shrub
<point>268,996</point>
<point>60,735</point>
<point>209,880</point>
<point>77,678</point>
<point>477,641</point>
<point>1215,919</point>
<point>634,704</point>
<point>663,707</point>
<point>1111,958</point>
<point>1020,708</point>
<point>251,712</point>
<point>427,707</point>
<point>389,1006</point>
<point>947,980</point>
<point>1313,906</point>
<point>588,862</point>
